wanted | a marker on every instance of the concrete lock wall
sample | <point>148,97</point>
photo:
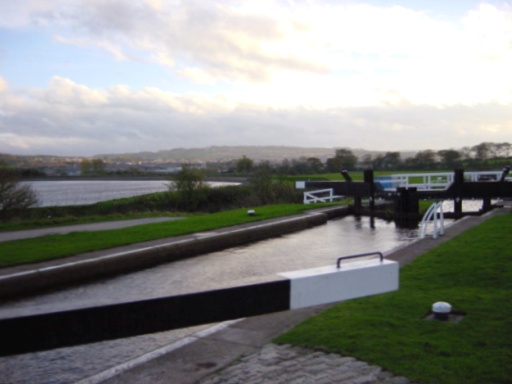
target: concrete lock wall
<point>108,264</point>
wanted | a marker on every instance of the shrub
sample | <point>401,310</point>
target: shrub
<point>14,197</point>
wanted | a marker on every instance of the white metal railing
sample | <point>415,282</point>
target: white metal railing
<point>434,213</point>
<point>429,181</point>
<point>422,181</point>
<point>321,195</point>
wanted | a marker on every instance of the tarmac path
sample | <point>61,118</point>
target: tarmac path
<point>30,233</point>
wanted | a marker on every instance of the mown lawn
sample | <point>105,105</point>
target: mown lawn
<point>473,272</point>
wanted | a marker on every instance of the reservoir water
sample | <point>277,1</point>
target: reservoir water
<point>77,192</point>
<point>315,247</point>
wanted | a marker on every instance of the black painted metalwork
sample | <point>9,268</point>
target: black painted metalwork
<point>345,175</point>
<point>504,174</point>
<point>338,261</point>
<point>88,325</point>
<point>406,199</point>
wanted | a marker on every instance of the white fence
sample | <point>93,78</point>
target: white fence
<point>320,196</point>
<point>429,181</point>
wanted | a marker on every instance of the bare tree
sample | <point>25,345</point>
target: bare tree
<point>481,151</point>
<point>261,183</point>
<point>14,197</point>
<point>450,158</point>
<point>390,160</point>
<point>344,158</point>
<point>244,165</point>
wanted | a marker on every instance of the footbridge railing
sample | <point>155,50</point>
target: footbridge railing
<point>433,181</point>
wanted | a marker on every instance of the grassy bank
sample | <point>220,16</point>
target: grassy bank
<point>55,246</point>
<point>473,272</point>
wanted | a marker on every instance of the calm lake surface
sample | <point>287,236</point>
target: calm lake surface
<point>79,192</point>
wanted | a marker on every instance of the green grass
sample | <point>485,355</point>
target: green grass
<point>55,246</point>
<point>473,272</point>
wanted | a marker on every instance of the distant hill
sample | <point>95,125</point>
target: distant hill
<point>217,154</point>
<point>228,153</point>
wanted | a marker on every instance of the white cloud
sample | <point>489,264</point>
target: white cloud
<point>3,84</point>
<point>269,72</point>
<point>105,45</point>
<point>423,58</point>
<point>227,40</point>
<point>22,13</point>
<point>69,118</point>
<point>63,91</point>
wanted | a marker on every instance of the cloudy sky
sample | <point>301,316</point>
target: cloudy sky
<point>84,77</point>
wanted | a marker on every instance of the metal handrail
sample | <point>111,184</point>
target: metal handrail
<point>338,262</point>
<point>441,180</point>
<point>432,213</point>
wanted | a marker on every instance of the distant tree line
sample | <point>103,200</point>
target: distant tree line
<point>484,156</point>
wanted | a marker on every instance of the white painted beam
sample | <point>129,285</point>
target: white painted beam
<point>352,280</point>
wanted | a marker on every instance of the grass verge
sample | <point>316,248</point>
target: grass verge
<point>473,272</point>
<point>55,246</point>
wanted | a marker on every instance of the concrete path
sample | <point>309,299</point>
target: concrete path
<point>30,233</point>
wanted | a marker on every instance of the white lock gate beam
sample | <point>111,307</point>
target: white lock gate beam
<point>291,290</point>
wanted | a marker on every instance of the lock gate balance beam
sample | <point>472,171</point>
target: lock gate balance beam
<point>292,290</point>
